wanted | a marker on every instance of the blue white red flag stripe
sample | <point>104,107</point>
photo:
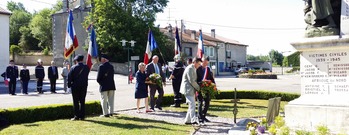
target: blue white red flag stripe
<point>151,45</point>
<point>71,41</point>
<point>92,48</point>
<point>178,47</point>
<point>201,50</point>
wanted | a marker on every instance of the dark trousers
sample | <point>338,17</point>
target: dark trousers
<point>176,85</point>
<point>25,87</point>
<point>39,85</point>
<point>53,84</point>
<point>79,95</point>
<point>204,103</point>
<point>153,89</point>
<point>12,86</point>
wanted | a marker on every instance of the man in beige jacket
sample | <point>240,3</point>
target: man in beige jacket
<point>188,87</point>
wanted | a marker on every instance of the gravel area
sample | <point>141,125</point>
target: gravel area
<point>217,126</point>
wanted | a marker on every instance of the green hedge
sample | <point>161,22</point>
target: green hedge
<point>241,94</point>
<point>47,112</point>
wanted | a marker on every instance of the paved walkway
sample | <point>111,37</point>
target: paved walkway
<point>217,126</point>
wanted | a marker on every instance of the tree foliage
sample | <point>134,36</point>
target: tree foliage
<point>129,20</point>
<point>276,57</point>
<point>18,19</point>
<point>13,6</point>
<point>264,58</point>
<point>41,26</point>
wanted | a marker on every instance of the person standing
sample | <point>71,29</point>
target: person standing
<point>105,78</point>
<point>25,77</point>
<point>12,77</point>
<point>40,75</point>
<point>52,76</point>
<point>188,87</point>
<point>176,77</point>
<point>64,74</point>
<point>204,74</point>
<point>141,87</point>
<point>155,67</point>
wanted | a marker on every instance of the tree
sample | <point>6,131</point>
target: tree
<point>13,6</point>
<point>41,26</point>
<point>276,57</point>
<point>129,20</point>
<point>18,19</point>
<point>27,40</point>
<point>264,58</point>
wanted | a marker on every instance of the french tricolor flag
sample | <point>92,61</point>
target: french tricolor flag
<point>177,43</point>
<point>92,48</point>
<point>71,41</point>
<point>151,45</point>
<point>200,53</point>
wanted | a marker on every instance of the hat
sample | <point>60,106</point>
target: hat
<point>79,57</point>
<point>39,60</point>
<point>206,58</point>
<point>104,56</point>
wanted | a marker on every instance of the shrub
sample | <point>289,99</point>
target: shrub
<point>15,49</point>
<point>47,112</point>
<point>46,51</point>
<point>322,130</point>
<point>241,94</point>
<point>168,99</point>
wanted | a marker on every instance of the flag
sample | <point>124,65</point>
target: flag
<point>151,45</point>
<point>92,48</point>
<point>201,50</point>
<point>71,42</point>
<point>177,43</point>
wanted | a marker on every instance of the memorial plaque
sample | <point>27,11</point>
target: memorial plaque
<point>325,73</point>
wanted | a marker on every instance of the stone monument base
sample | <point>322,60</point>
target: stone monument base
<point>306,113</point>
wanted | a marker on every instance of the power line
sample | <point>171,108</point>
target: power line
<point>235,27</point>
<point>43,2</point>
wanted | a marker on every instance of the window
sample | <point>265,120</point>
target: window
<point>188,51</point>
<point>228,54</point>
<point>206,50</point>
<point>211,52</point>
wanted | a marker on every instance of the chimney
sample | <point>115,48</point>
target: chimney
<point>193,34</point>
<point>65,5</point>
<point>213,33</point>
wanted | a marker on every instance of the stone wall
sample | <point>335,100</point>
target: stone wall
<point>31,60</point>
<point>119,68</point>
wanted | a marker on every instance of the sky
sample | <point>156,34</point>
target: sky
<point>261,24</point>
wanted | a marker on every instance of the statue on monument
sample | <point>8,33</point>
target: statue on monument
<point>322,17</point>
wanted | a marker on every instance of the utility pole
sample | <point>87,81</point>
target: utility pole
<point>181,32</point>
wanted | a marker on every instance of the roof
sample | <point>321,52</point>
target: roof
<point>4,11</point>
<point>208,40</point>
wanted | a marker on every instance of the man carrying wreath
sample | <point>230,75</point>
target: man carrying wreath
<point>151,68</point>
<point>204,74</point>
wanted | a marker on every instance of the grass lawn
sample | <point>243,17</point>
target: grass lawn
<point>224,108</point>
<point>120,124</point>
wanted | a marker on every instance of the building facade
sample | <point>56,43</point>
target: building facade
<point>225,54</point>
<point>4,39</point>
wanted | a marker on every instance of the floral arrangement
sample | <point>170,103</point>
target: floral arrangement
<point>155,79</point>
<point>208,88</point>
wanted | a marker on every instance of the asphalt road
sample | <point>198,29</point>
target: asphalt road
<point>124,95</point>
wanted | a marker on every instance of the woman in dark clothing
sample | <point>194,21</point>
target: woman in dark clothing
<point>141,87</point>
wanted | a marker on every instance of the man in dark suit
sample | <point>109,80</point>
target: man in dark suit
<point>155,67</point>
<point>25,77</point>
<point>176,77</point>
<point>12,77</point>
<point>52,76</point>
<point>78,81</point>
<point>204,74</point>
<point>105,78</point>
<point>40,75</point>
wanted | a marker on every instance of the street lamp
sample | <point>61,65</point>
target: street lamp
<point>282,63</point>
<point>128,55</point>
